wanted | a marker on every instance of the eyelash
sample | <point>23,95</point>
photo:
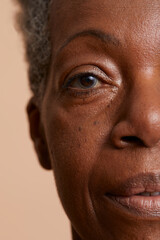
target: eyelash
<point>83,92</point>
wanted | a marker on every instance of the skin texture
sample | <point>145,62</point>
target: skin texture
<point>96,139</point>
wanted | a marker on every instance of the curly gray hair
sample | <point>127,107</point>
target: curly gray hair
<point>33,22</point>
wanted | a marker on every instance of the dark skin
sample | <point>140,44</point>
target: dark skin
<point>97,136</point>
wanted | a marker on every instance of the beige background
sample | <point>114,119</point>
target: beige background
<point>29,206</point>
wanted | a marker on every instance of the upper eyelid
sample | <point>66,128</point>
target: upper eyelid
<point>94,71</point>
<point>105,73</point>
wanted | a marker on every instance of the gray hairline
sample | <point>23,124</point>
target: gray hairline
<point>33,22</point>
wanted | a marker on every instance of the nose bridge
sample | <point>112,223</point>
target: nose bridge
<point>143,107</point>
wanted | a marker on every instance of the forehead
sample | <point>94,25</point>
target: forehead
<point>135,24</point>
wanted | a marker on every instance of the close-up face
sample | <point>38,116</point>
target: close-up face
<point>100,116</point>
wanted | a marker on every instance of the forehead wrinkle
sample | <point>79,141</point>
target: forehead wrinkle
<point>104,37</point>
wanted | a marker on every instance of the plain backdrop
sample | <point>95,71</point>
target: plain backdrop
<point>29,206</point>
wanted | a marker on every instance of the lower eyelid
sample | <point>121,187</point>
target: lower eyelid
<point>83,93</point>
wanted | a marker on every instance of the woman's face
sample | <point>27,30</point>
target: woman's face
<point>101,116</point>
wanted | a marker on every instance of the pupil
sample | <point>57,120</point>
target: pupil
<point>87,81</point>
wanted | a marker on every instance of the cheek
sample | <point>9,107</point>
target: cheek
<point>75,140</point>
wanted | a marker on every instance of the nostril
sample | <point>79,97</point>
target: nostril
<point>132,140</point>
<point>125,135</point>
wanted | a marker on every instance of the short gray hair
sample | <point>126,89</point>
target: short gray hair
<point>33,21</point>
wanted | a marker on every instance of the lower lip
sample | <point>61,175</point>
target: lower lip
<point>139,205</point>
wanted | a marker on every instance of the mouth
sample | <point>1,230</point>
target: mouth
<point>139,196</point>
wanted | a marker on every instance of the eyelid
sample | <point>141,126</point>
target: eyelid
<point>83,74</point>
<point>87,70</point>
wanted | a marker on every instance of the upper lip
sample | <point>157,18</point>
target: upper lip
<point>143,182</point>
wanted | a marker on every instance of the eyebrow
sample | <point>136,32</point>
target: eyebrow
<point>106,38</point>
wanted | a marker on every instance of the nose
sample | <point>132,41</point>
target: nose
<point>139,121</point>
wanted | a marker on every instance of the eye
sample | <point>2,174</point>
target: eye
<point>83,81</point>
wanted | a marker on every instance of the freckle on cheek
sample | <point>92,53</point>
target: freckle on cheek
<point>79,129</point>
<point>94,122</point>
